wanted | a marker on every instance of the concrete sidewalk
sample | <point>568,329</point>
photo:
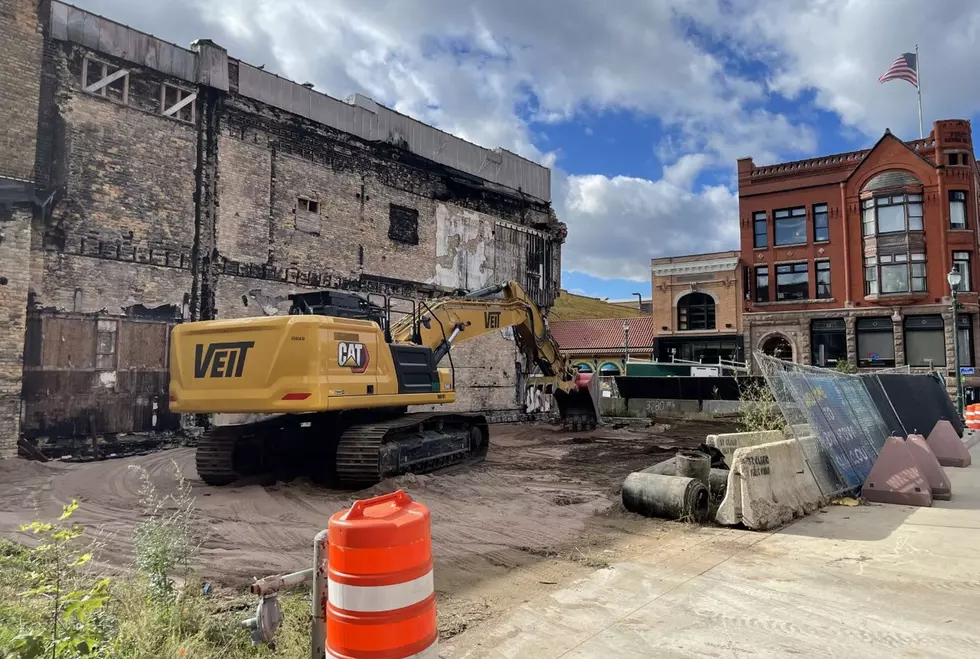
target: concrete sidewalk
<point>870,581</point>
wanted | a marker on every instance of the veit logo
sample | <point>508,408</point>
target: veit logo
<point>224,360</point>
<point>353,356</point>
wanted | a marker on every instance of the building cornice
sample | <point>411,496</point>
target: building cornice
<point>695,267</point>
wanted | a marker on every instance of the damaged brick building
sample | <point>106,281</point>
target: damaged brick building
<point>145,184</point>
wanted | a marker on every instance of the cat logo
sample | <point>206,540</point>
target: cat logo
<point>353,356</point>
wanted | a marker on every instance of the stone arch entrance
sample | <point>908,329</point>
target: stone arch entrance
<point>778,346</point>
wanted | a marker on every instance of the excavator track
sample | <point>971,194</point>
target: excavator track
<point>215,455</point>
<point>411,443</point>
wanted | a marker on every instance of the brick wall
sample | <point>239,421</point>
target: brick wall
<point>20,84</point>
<point>15,242</point>
<point>211,217</point>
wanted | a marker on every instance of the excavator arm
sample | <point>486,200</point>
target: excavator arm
<point>443,322</point>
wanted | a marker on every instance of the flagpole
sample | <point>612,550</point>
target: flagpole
<point>918,87</point>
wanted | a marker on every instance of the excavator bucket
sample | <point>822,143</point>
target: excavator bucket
<point>578,409</point>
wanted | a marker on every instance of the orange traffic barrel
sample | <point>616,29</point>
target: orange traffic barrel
<point>381,601</point>
<point>972,415</point>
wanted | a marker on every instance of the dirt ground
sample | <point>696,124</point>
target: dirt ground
<point>543,509</point>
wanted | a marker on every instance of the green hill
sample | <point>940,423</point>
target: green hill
<point>576,307</point>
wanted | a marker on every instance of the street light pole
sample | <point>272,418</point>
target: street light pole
<point>954,278</point>
<point>639,301</point>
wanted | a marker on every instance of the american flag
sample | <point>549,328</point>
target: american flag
<point>904,68</point>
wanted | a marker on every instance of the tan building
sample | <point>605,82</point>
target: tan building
<point>697,307</point>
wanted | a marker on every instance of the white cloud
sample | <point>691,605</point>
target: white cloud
<point>617,224</point>
<point>838,50</point>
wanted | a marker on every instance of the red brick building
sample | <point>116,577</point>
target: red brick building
<point>845,256</point>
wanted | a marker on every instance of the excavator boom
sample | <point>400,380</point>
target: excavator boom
<point>446,321</point>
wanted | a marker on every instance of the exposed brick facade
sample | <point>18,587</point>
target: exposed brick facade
<point>714,279</point>
<point>850,207</point>
<point>226,207</point>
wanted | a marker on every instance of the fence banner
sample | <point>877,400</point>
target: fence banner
<point>835,418</point>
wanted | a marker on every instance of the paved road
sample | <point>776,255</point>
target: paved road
<point>871,581</point>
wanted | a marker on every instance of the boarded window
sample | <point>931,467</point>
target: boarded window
<point>94,75</point>
<point>177,103</point>
<point>307,215</point>
<point>403,224</point>
<point>105,347</point>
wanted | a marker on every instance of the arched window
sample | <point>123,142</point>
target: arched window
<point>696,311</point>
<point>778,346</point>
<point>583,368</point>
<point>609,369</point>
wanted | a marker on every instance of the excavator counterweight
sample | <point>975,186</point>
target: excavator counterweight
<point>326,389</point>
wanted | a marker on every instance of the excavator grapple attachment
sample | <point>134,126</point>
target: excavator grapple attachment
<point>578,408</point>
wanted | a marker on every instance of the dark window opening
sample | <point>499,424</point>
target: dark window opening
<point>823,280</point>
<point>875,342</point>
<point>957,209</point>
<point>792,281</point>
<point>762,283</point>
<point>761,231</point>
<point>403,224</point>
<point>696,311</point>
<point>307,214</point>
<point>828,339</point>
<point>821,223</point>
<point>953,158</point>
<point>308,205</point>
<point>790,226</point>
<point>583,368</point>
<point>925,341</point>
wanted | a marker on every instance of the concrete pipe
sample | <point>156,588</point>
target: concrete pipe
<point>669,497</point>
<point>693,464</point>
<point>717,478</point>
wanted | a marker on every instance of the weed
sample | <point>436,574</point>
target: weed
<point>165,540</point>
<point>757,409</point>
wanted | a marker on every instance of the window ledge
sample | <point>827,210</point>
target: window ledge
<point>785,303</point>
<point>788,245</point>
<point>821,242</point>
<point>895,297</point>
<point>963,230</point>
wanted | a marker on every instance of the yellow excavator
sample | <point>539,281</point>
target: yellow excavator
<point>331,383</point>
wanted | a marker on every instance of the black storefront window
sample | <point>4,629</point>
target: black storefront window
<point>876,342</point>
<point>925,341</point>
<point>964,335</point>
<point>829,341</point>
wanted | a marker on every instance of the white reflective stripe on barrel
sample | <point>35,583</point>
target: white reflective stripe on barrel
<point>373,599</point>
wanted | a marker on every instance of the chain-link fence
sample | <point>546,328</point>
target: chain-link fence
<point>837,422</point>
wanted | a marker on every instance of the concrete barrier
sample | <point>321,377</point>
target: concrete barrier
<point>721,406</point>
<point>663,407</point>
<point>729,441</point>
<point>896,478</point>
<point>768,485</point>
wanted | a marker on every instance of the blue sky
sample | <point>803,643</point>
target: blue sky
<point>641,111</point>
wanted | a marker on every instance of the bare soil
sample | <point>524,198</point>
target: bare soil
<point>543,509</point>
